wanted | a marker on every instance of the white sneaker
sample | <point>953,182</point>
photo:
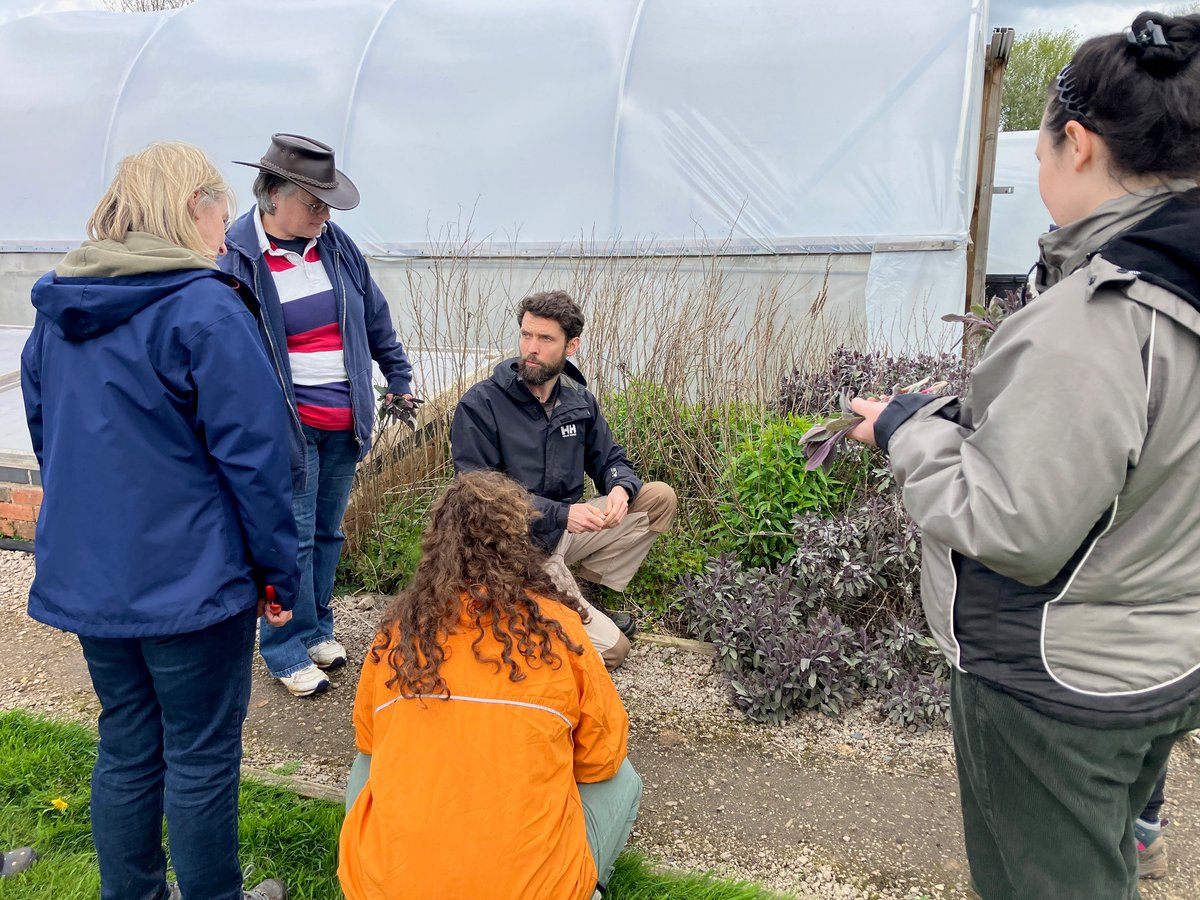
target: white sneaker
<point>328,654</point>
<point>308,682</point>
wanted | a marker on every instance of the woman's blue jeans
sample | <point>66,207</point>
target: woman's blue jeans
<point>171,713</point>
<point>330,457</point>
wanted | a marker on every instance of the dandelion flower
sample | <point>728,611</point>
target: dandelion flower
<point>60,804</point>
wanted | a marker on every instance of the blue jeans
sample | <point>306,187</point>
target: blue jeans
<point>330,457</point>
<point>170,742</point>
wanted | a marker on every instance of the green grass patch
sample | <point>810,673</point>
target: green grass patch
<point>283,835</point>
<point>634,879</point>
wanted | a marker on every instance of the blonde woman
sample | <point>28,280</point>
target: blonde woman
<point>161,431</point>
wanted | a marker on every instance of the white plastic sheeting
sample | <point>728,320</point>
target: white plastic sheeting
<point>539,127</point>
<point>1019,218</point>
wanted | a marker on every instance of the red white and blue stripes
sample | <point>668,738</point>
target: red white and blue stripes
<point>314,337</point>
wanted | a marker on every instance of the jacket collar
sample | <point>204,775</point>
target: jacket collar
<point>1066,249</point>
<point>506,377</point>
<point>243,236</point>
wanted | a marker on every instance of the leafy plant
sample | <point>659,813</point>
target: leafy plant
<point>918,701</point>
<point>866,561</point>
<point>777,657</point>
<point>768,483</point>
<point>386,557</point>
<point>856,373</point>
<point>654,590</point>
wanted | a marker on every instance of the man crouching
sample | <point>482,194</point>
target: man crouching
<point>546,431</point>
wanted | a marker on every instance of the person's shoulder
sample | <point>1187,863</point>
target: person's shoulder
<point>207,301</point>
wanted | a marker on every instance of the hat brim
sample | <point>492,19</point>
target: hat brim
<point>344,196</point>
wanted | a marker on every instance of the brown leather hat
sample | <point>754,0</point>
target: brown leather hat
<point>308,164</point>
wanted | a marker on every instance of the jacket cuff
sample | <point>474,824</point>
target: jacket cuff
<point>398,387</point>
<point>631,487</point>
<point>901,408</point>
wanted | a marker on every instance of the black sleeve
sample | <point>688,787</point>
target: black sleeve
<point>605,460</point>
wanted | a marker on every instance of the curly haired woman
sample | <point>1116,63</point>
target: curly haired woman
<point>492,738</point>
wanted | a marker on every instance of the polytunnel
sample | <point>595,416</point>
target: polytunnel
<point>772,132</point>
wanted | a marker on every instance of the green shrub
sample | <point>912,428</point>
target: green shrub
<point>385,558</point>
<point>767,485</point>
<point>654,591</point>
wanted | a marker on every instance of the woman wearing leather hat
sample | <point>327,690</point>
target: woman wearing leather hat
<point>324,320</point>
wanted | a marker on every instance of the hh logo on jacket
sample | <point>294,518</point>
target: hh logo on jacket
<point>567,431</point>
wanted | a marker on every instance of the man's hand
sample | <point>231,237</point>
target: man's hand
<point>618,506</point>
<point>583,517</point>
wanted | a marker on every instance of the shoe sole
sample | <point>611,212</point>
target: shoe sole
<point>329,667</point>
<point>319,689</point>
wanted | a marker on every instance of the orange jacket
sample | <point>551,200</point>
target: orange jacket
<point>476,796</point>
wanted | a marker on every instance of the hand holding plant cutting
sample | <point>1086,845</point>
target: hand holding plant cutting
<point>402,408</point>
<point>822,441</point>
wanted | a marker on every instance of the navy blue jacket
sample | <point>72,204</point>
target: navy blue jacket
<point>363,315</point>
<point>162,436</point>
<point>500,425</point>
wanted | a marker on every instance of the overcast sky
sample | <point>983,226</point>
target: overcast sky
<point>1088,18</point>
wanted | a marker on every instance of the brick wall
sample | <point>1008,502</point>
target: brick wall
<point>20,495</point>
<point>19,507</point>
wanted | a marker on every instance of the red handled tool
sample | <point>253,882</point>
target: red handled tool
<point>271,604</point>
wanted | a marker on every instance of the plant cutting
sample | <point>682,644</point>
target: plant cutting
<point>822,441</point>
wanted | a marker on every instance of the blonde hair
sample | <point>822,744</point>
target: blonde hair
<point>152,191</point>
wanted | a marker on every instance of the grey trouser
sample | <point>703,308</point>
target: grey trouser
<point>611,557</point>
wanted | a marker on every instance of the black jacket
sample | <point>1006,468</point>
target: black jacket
<point>500,425</point>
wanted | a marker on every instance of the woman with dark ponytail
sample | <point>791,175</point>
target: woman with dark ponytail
<point>1057,497</point>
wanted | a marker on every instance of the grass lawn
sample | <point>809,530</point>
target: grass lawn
<point>45,768</point>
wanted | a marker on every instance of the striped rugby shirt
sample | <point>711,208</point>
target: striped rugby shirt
<point>314,336</point>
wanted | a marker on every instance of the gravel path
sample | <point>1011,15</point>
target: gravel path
<point>816,808</point>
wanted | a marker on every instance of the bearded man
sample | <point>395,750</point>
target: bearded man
<point>535,420</point>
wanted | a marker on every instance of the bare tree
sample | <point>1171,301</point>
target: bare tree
<point>144,5</point>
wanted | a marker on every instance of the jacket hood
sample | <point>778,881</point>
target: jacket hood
<point>1162,248</point>
<point>1066,249</point>
<point>505,375</point>
<point>102,284</point>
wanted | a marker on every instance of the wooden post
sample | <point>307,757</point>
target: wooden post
<point>981,215</point>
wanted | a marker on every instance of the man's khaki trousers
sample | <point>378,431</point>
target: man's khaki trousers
<point>611,557</point>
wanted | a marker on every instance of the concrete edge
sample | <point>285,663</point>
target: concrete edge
<point>666,640</point>
<point>308,789</point>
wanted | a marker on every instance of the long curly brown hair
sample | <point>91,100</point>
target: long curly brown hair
<point>477,544</point>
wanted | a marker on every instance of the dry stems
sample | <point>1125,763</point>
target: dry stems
<point>679,350</point>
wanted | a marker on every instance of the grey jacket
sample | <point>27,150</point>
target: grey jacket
<point>1058,501</point>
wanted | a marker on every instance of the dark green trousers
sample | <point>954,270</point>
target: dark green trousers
<point>1048,807</point>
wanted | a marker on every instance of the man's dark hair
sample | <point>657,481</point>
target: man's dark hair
<point>556,305</point>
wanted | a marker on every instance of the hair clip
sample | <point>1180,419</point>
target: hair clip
<point>1150,35</point>
<point>1068,97</point>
